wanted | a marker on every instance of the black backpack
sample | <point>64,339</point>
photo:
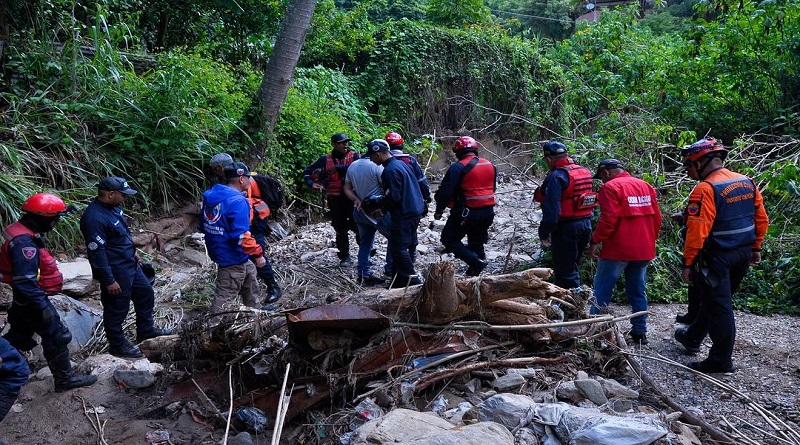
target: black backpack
<point>271,191</point>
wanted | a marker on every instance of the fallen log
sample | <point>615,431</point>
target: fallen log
<point>445,297</point>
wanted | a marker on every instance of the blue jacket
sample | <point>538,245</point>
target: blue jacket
<point>226,223</point>
<point>405,198</point>
<point>109,244</point>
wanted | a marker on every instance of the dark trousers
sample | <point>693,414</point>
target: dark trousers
<point>569,240</point>
<point>341,212</point>
<point>715,317</point>
<point>401,237</point>
<point>14,373</point>
<point>475,226</point>
<point>135,288</point>
<point>260,230</point>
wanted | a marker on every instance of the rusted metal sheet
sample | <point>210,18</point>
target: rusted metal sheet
<point>333,318</point>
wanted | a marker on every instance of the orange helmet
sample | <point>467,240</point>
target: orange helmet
<point>44,204</point>
<point>465,142</point>
<point>394,138</point>
<point>702,148</point>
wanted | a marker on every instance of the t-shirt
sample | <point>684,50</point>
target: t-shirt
<point>365,178</point>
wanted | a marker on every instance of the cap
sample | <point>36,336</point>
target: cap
<point>339,137</point>
<point>222,159</point>
<point>377,145</point>
<point>237,169</point>
<point>116,184</point>
<point>554,148</point>
<point>607,164</point>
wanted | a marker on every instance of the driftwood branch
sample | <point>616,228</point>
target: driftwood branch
<point>437,376</point>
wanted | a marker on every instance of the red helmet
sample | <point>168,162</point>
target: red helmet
<point>44,204</point>
<point>394,138</point>
<point>703,147</point>
<point>465,142</point>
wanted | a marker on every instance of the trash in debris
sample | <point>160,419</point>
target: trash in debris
<point>254,418</point>
<point>157,437</point>
<point>439,404</point>
<point>366,410</point>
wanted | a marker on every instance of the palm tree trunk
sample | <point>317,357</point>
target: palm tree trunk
<point>280,69</point>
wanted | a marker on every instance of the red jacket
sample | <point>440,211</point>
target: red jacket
<point>629,220</point>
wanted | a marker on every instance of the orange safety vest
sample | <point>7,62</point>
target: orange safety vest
<point>333,183</point>
<point>49,278</point>
<point>258,207</point>
<point>477,186</point>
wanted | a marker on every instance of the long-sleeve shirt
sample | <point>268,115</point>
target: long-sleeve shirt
<point>401,184</point>
<point>109,244</point>
<point>226,224</point>
<point>629,219</point>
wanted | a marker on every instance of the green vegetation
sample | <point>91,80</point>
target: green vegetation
<point>150,89</point>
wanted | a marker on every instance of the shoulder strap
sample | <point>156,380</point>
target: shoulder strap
<point>470,165</point>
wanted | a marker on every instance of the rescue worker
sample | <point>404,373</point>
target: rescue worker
<point>32,272</point>
<point>396,147</point>
<point>14,373</point>
<point>259,225</point>
<point>334,168</point>
<point>403,201</point>
<point>363,180</point>
<point>567,201</point>
<point>692,298</point>
<point>115,264</point>
<point>630,220</point>
<point>468,189</point>
<point>725,227</point>
<point>226,224</point>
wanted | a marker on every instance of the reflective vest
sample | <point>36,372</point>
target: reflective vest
<point>259,210</point>
<point>477,185</point>
<point>49,278</point>
<point>734,225</point>
<point>333,181</point>
<point>578,199</point>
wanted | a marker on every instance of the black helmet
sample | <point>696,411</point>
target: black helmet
<point>551,148</point>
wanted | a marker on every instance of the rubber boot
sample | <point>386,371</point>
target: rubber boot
<point>64,378</point>
<point>267,275</point>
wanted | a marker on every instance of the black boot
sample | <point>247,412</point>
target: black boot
<point>476,267</point>
<point>267,275</point>
<point>64,378</point>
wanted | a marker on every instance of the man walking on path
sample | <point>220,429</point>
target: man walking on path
<point>333,167</point>
<point>567,201</point>
<point>627,230</point>
<point>725,226</point>
<point>468,189</point>
<point>115,264</point>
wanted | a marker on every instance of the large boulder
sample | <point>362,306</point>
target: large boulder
<point>78,280</point>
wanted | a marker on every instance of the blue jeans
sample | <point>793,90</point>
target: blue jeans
<point>366,232</point>
<point>608,272</point>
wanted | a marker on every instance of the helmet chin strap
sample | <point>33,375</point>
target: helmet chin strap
<point>38,223</point>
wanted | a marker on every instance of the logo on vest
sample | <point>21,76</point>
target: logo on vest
<point>29,252</point>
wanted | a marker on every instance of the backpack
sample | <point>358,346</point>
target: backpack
<point>271,190</point>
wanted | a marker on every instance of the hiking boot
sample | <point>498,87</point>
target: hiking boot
<point>156,332</point>
<point>273,294</point>
<point>684,319</point>
<point>639,339</point>
<point>75,381</point>
<point>692,347</point>
<point>126,350</point>
<point>476,269</point>
<point>369,280</point>
<point>707,368</point>
<point>346,262</point>
<point>400,281</point>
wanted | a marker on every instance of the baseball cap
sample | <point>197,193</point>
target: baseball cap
<point>220,159</point>
<point>554,148</point>
<point>607,164</point>
<point>116,184</point>
<point>237,169</point>
<point>339,137</point>
<point>377,145</point>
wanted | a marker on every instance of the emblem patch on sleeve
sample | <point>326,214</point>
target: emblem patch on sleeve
<point>693,209</point>
<point>92,246</point>
<point>29,252</point>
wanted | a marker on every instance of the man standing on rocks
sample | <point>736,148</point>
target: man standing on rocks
<point>403,200</point>
<point>567,201</point>
<point>115,264</point>
<point>226,224</point>
<point>725,226</point>
<point>468,189</point>
<point>31,271</point>
<point>627,230</point>
<point>334,169</point>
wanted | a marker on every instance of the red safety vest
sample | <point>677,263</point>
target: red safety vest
<point>477,185</point>
<point>49,278</point>
<point>334,183</point>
